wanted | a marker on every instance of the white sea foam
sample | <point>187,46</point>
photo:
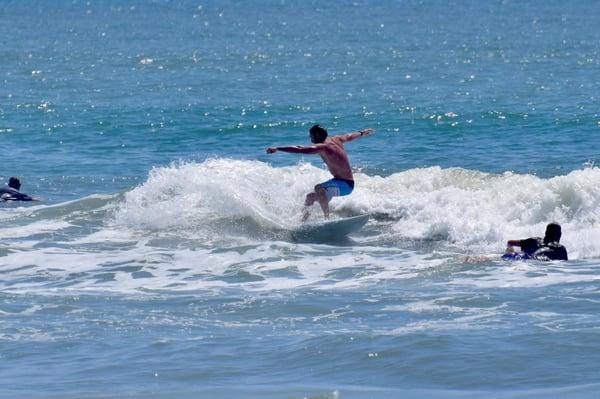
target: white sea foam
<point>195,226</point>
<point>528,275</point>
<point>189,195</point>
<point>42,226</point>
<point>470,210</point>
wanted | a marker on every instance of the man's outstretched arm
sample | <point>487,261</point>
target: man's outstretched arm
<point>354,135</point>
<point>295,149</point>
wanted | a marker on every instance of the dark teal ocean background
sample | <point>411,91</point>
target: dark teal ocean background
<point>158,262</point>
<point>110,89</point>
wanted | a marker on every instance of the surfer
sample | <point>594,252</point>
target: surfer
<point>331,149</point>
<point>11,193</point>
<point>548,248</point>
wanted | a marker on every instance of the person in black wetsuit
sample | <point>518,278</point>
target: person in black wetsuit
<point>548,248</point>
<point>11,193</point>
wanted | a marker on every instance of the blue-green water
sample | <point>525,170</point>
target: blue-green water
<point>159,262</point>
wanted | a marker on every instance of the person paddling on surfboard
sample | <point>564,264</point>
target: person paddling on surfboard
<point>331,150</point>
<point>12,193</point>
<point>548,248</point>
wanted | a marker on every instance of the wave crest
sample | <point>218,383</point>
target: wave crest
<point>468,209</point>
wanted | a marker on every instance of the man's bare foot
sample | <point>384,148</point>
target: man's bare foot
<point>305,215</point>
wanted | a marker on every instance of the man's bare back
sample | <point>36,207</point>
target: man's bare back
<point>331,150</point>
<point>335,157</point>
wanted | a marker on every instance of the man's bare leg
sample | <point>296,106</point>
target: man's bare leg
<point>305,214</point>
<point>310,200</point>
<point>321,194</point>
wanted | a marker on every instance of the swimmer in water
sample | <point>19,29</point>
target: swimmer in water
<point>548,248</point>
<point>12,193</point>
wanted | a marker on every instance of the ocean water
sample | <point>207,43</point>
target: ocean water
<point>159,262</point>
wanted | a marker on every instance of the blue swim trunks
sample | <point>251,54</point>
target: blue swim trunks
<point>337,187</point>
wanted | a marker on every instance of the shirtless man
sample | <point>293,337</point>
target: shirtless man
<point>331,150</point>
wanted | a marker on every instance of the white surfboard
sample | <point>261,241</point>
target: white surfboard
<point>330,229</point>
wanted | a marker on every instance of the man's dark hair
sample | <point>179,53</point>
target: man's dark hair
<point>553,233</point>
<point>15,183</point>
<point>319,133</point>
